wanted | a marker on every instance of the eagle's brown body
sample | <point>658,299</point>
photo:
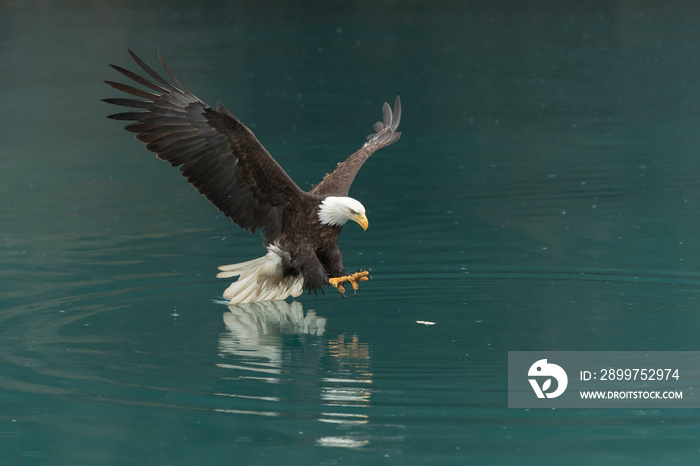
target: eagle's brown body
<point>224,160</point>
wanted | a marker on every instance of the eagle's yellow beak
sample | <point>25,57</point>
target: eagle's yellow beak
<point>362,220</point>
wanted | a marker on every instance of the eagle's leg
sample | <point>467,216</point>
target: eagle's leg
<point>353,279</point>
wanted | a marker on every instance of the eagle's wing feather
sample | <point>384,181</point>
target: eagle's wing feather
<point>338,183</point>
<point>217,153</point>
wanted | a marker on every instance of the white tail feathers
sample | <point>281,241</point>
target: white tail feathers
<point>260,280</point>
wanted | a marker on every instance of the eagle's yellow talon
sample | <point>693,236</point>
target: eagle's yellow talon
<point>353,279</point>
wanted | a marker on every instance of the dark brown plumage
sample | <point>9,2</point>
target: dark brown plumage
<point>224,160</point>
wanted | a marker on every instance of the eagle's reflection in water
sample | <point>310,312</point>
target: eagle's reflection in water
<point>258,327</point>
<point>277,343</point>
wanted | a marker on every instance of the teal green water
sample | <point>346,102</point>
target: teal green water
<point>544,196</point>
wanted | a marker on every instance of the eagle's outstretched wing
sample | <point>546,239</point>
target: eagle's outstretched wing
<point>338,183</point>
<point>217,153</point>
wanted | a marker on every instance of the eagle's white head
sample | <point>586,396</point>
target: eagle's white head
<point>335,211</point>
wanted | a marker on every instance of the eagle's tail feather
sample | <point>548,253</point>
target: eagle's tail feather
<point>260,280</point>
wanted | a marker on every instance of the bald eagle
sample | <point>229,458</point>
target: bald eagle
<point>223,159</point>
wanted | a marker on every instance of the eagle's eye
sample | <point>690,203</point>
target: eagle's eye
<point>352,212</point>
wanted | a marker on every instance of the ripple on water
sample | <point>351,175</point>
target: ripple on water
<point>342,369</point>
<point>273,359</point>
